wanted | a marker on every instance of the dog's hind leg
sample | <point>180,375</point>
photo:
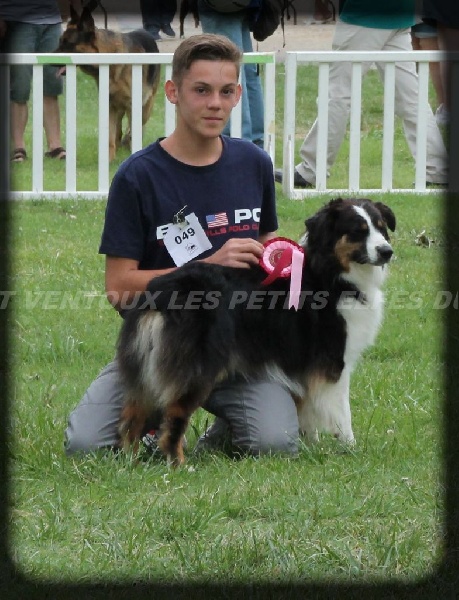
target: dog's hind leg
<point>114,135</point>
<point>176,418</point>
<point>133,418</point>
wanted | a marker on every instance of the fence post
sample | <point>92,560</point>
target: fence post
<point>104,101</point>
<point>37,128</point>
<point>355,127</point>
<point>70,128</point>
<point>289,123</point>
<point>388,128</point>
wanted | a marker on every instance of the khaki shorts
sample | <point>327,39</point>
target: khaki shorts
<point>30,38</point>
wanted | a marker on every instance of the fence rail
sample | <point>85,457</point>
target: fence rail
<point>322,59</point>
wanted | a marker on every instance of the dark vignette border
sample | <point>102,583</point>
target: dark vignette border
<point>444,583</point>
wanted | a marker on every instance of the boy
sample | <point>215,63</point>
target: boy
<point>228,185</point>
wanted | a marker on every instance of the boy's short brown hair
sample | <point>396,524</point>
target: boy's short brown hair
<point>207,46</point>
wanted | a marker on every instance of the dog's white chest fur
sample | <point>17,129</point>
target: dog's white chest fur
<point>363,316</point>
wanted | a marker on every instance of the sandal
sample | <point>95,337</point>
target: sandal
<point>19,155</point>
<point>56,153</point>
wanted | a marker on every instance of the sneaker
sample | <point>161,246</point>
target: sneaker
<point>442,115</point>
<point>155,35</point>
<point>298,180</point>
<point>430,184</point>
<point>434,184</point>
<point>167,30</point>
<point>150,443</point>
<point>216,437</point>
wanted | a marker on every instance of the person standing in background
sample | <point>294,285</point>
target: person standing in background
<point>235,26</point>
<point>157,16</point>
<point>33,26</point>
<point>444,15</point>
<point>363,26</point>
<point>424,36</point>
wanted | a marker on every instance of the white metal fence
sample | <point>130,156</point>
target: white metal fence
<point>324,61</point>
<point>267,60</point>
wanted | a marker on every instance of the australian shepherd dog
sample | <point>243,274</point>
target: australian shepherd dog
<point>81,35</point>
<point>198,325</point>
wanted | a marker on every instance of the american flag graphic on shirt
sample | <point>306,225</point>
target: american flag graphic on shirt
<point>217,220</point>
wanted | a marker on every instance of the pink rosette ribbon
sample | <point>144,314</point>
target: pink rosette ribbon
<point>284,258</point>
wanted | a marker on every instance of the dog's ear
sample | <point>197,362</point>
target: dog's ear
<point>323,222</point>
<point>387,215</point>
<point>328,213</point>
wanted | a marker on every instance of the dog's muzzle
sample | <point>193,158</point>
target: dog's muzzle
<point>383,254</point>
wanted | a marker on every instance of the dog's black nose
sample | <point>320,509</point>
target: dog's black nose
<point>384,253</point>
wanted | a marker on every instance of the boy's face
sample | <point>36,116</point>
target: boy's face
<point>205,97</point>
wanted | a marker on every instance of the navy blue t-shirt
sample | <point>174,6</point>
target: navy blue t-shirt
<point>233,197</point>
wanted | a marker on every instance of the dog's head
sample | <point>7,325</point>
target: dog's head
<point>349,231</point>
<point>80,33</point>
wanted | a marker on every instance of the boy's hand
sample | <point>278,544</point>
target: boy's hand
<point>240,253</point>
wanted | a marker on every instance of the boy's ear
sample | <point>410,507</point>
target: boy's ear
<point>238,93</point>
<point>171,91</point>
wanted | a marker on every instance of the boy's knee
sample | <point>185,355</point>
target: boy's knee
<point>78,441</point>
<point>261,415</point>
<point>266,442</point>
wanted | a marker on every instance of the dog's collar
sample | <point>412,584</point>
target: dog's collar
<point>284,258</point>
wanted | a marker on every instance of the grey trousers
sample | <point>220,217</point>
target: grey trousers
<point>261,415</point>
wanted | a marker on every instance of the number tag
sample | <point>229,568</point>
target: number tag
<point>186,240</point>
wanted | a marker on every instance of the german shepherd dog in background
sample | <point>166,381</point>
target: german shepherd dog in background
<point>81,35</point>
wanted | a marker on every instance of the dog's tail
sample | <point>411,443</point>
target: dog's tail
<point>142,41</point>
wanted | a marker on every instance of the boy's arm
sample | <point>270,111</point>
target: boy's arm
<point>123,278</point>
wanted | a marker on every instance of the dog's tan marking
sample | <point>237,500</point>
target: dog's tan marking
<point>344,250</point>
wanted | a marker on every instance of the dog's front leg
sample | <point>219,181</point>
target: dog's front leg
<point>327,408</point>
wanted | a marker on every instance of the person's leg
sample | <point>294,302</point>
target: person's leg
<point>94,422</point>
<point>230,25</point>
<point>168,10</point>
<point>448,41</point>
<point>254,91</point>
<point>261,417</point>
<point>52,127</point>
<point>52,88</point>
<point>151,17</point>
<point>406,107</point>
<point>346,37</point>
<point>431,43</point>
<point>20,37</point>
<point>19,113</point>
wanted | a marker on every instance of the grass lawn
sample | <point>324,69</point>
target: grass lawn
<point>368,515</point>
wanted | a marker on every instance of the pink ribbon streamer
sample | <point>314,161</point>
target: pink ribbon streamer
<point>293,257</point>
<point>295,279</point>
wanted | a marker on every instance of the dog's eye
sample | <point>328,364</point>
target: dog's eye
<point>359,231</point>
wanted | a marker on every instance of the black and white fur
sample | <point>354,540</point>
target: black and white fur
<point>173,351</point>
